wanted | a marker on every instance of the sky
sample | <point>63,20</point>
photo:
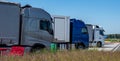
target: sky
<point>105,13</point>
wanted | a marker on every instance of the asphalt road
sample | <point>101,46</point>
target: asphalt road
<point>108,47</point>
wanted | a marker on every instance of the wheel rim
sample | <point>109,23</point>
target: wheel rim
<point>98,44</point>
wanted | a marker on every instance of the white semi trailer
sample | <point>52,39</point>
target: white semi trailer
<point>26,26</point>
<point>96,35</point>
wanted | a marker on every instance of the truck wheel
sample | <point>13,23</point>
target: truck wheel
<point>99,44</point>
<point>80,46</point>
<point>37,48</point>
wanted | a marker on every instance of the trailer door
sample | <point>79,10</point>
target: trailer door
<point>59,28</point>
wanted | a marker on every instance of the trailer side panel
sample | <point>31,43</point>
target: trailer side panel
<point>9,23</point>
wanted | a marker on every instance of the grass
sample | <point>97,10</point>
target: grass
<point>75,55</point>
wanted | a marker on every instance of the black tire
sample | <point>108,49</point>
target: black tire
<point>99,44</point>
<point>37,48</point>
<point>80,46</point>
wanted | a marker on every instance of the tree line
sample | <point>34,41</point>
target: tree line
<point>117,36</point>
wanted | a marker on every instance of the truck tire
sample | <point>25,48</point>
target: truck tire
<point>37,48</point>
<point>80,46</point>
<point>99,44</point>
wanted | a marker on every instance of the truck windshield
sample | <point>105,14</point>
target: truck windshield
<point>84,30</point>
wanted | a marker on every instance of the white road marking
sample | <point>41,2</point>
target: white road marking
<point>116,47</point>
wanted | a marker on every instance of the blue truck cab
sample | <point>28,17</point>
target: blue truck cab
<point>79,34</point>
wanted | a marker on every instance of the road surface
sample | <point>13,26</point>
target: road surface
<point>108,47</point>
<point>117,48</point>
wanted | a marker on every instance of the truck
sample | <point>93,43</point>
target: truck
<point>25,26</point>
<point>79,34</point>
<point>35,29</point>
<point>96,35</point>
<point>70,33</point>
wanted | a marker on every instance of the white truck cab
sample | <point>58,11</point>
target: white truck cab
<point>96,35</point>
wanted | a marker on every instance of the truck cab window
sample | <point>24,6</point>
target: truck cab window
<point>46,25</point>
<point>101,32</point>
<point>43,25</point>
<point>84,30</point>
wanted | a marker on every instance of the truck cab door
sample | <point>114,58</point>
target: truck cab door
<point>46,30</point>
<point>101,32</point>
<point>99,35</point>
<point>85,36</point>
